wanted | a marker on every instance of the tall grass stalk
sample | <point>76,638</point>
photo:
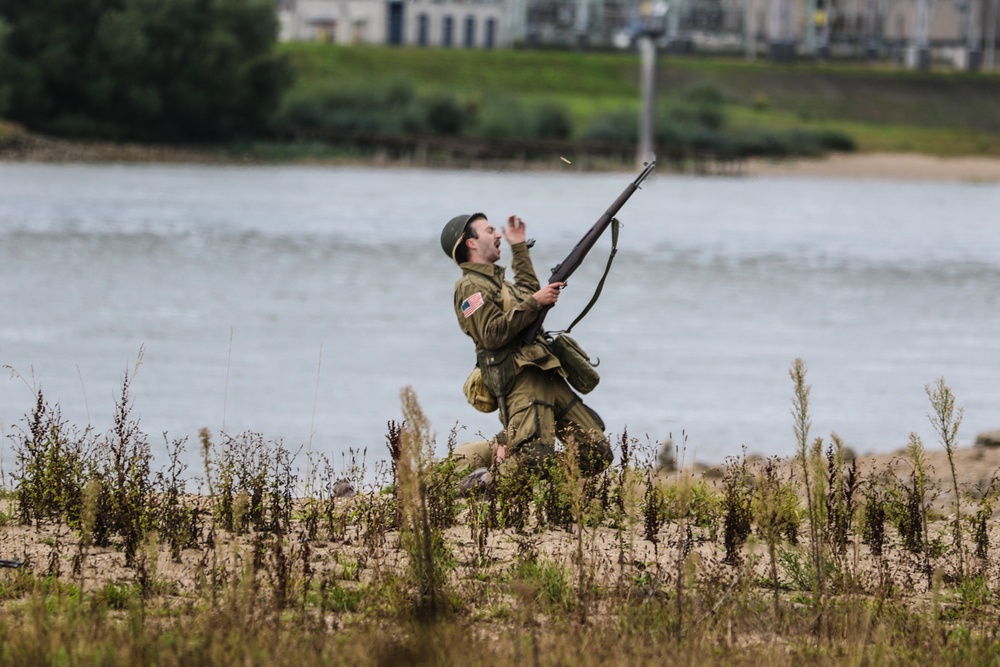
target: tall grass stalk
<point>915,530</point>
<point>946,421</point>
<point>312,419</point>
<point>810,461</point>
<point>682,499</point>
<point>841,483</point>
<point>270,587</point>
<point>737,512</point>
<point>225,390</point>
<point>423,543</point>
<point>574,483</point>
<point>775,506</point>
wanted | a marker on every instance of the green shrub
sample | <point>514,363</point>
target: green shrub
<point>620,125</point>
<point>759,143</point>
<point>672,137</point>
<point>51,458</point>
<point>548,581</point>
<point>444,114</point>
<point>704,93</point>
<point>550,121</point>
<point>379,107</point>
<point>501,118</point>
<point>709,116</point>
<point>836,140</point>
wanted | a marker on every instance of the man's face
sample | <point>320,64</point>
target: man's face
<point>486,248</point>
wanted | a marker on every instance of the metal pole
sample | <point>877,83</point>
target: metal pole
<point>991,35</point>
<point>810,40</point>
<point>921,35</point>
<point>748,37</point>
<point>582,24</point>
<point>673,25</point>
<point>647,81</point>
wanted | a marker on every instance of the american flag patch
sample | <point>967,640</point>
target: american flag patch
<point>472,304</point>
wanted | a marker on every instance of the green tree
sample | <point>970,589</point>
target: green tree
<point>152,70</point>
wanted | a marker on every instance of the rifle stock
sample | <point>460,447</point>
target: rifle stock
<point>565,268</point>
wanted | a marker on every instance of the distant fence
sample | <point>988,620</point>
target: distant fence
<point>437,150</point>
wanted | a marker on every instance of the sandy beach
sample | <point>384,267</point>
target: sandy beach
<point>977,473</point>
<point>904,166</point>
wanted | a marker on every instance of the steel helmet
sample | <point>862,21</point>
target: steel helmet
<point>453,233</point>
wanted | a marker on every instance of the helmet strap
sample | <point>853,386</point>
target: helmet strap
<point>454,248</point>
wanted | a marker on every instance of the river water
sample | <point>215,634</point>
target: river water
<point>298,301</point>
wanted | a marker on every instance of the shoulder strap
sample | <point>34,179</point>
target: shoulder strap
<point>597,293</point>
<point>508,298</point>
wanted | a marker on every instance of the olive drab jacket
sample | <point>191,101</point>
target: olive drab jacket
<point>493,312</point>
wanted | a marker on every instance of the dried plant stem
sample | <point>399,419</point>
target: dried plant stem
<point>946,421</point>
<point>807,455</point>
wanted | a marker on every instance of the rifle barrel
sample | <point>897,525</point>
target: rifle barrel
<point>565,268</point>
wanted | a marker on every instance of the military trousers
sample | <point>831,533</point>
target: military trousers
<point>542,408</point>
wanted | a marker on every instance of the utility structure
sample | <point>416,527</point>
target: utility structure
<point>920,52</point>
<point>649,28</point>
<point>972,56</point>
<point>991,34</point>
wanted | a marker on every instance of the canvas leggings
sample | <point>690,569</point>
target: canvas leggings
<point>543,408</point>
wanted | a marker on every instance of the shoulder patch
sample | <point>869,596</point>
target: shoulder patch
<point>472,304</point>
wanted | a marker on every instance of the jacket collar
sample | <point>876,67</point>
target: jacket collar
<point>492,271</point>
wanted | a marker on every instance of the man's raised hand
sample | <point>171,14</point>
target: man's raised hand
<point>514,231</point>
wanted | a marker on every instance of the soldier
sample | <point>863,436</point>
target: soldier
<point>535,402</point>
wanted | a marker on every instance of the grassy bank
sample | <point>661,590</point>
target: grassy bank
<point>466,99</point>
<point>818,559</point>
<point>884,110</point>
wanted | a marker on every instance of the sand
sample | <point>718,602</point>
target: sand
<point>55,548</point>
<point>903,166</point>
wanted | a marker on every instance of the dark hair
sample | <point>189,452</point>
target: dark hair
<point>462,251</point>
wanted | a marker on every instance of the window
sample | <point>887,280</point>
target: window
<point>422,28</point>
<point>449,26</point>
<point>469,39</point>
<point>491,33</point>
<point>396,22</point>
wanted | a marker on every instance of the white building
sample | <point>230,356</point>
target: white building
<point>446,23</point>
<point>945,29</point>
<point>963,32</point>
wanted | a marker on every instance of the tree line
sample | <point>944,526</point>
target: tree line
<point>142,70</point>
<point>189,71</point>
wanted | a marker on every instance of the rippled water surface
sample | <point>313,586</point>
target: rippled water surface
<point>297,302</point>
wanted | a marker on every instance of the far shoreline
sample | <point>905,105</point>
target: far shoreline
<point>873,166</point>
<point>884,166</point>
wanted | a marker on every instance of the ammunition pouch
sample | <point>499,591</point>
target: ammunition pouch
<point>498,370</point>
<point>580,370</point>
<point>477,394</point>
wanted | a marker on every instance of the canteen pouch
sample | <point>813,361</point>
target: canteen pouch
<point>477,394</point>
<point>498,370</point>
<point>580,372</point>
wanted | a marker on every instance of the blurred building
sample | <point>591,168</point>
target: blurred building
<point>459,23</point>
<point>914,32</point>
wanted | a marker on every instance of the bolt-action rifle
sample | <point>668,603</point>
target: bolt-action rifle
<point>573,260</point>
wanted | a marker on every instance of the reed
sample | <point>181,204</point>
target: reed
<point>946,421</point>
<point>634,565</point>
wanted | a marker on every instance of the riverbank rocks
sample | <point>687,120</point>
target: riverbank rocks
<point>988,439</point>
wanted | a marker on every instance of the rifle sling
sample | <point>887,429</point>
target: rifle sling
<point>600,285</point>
